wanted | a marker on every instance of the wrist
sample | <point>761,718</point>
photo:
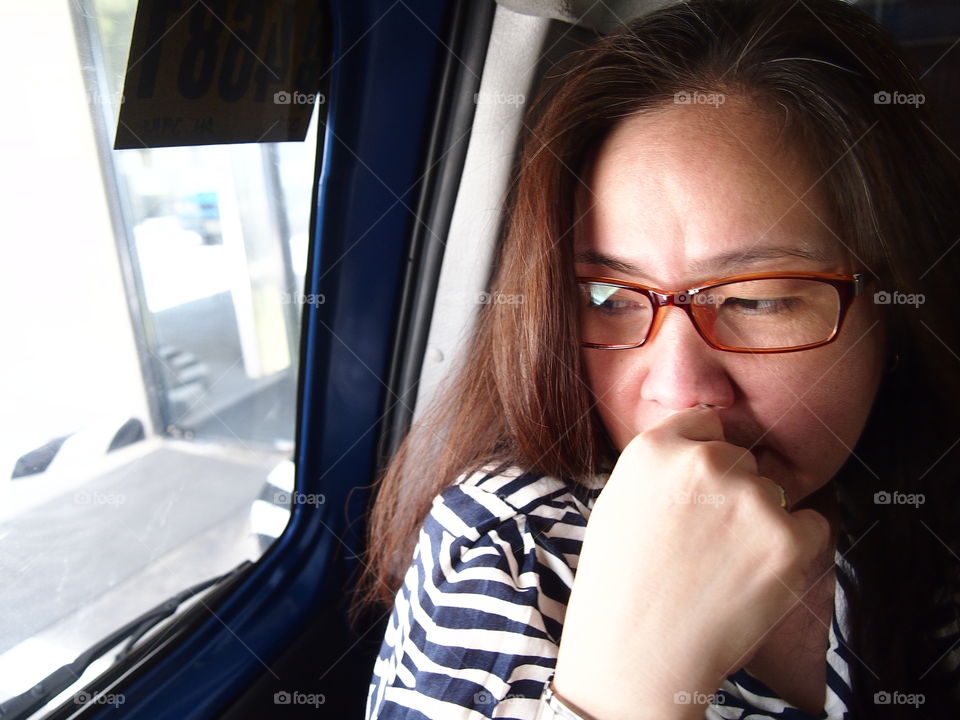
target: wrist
<point>625,700</point>
<point>555,707</point>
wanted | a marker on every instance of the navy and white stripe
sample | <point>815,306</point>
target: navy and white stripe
<point>475,627</point>
<point>742,696</point>
<point>68,453</point>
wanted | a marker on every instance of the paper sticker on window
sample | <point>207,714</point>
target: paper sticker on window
<point>203,72</point>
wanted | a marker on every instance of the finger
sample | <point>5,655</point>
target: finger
<point>733,458</point>
<point>697,423</point>
<point>777,492</point>
<point>814,528</point>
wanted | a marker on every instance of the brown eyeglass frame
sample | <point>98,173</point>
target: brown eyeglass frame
<point>847,286</point>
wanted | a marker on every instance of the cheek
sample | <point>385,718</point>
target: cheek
<point>812,406</point>
<point>616,392</point>
<point>815,417</point>
<point>812,418</point>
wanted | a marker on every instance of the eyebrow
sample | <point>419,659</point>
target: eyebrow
<point>716,265</point>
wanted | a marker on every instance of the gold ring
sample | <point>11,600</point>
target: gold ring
<point>783,495</point>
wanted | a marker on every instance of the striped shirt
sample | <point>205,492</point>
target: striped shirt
<point>475,627</point>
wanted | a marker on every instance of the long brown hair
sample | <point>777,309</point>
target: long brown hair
<point>520,397</point>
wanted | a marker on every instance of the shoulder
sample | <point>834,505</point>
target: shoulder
<point>506,533</point>
<point>477,621</point>
<point>515,511</point>
<point>484,498</point>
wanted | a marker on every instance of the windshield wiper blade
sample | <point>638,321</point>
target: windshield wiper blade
<point>27,703</point>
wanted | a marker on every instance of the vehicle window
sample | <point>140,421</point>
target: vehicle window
<point>151,314</point>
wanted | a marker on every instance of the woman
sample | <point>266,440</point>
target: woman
<point>727,404</point>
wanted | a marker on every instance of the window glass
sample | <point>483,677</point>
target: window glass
<point>150,325</point>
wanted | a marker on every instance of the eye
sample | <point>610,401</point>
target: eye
<point>611,300</point>
<point>762,306</point>
<point>618,306</point>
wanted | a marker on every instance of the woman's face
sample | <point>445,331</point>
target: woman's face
<point>670,193</point>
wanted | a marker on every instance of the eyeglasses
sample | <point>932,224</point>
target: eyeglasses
<point>756,313</point>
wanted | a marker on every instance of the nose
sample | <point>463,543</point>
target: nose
<point>681,370</point>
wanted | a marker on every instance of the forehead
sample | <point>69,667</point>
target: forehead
<point>669,190</point>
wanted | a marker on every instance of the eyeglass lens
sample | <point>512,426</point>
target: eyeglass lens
<point>756,314</point>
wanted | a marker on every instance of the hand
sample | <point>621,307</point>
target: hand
<point>687,563</point>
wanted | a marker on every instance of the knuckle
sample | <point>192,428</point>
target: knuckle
<point>816,530</point>
<point>745,459</point>
<point>736,456</point>
<point>702,463</point>
<point>755,493</point>
<point>783,547</point>
<point>709,457</point>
